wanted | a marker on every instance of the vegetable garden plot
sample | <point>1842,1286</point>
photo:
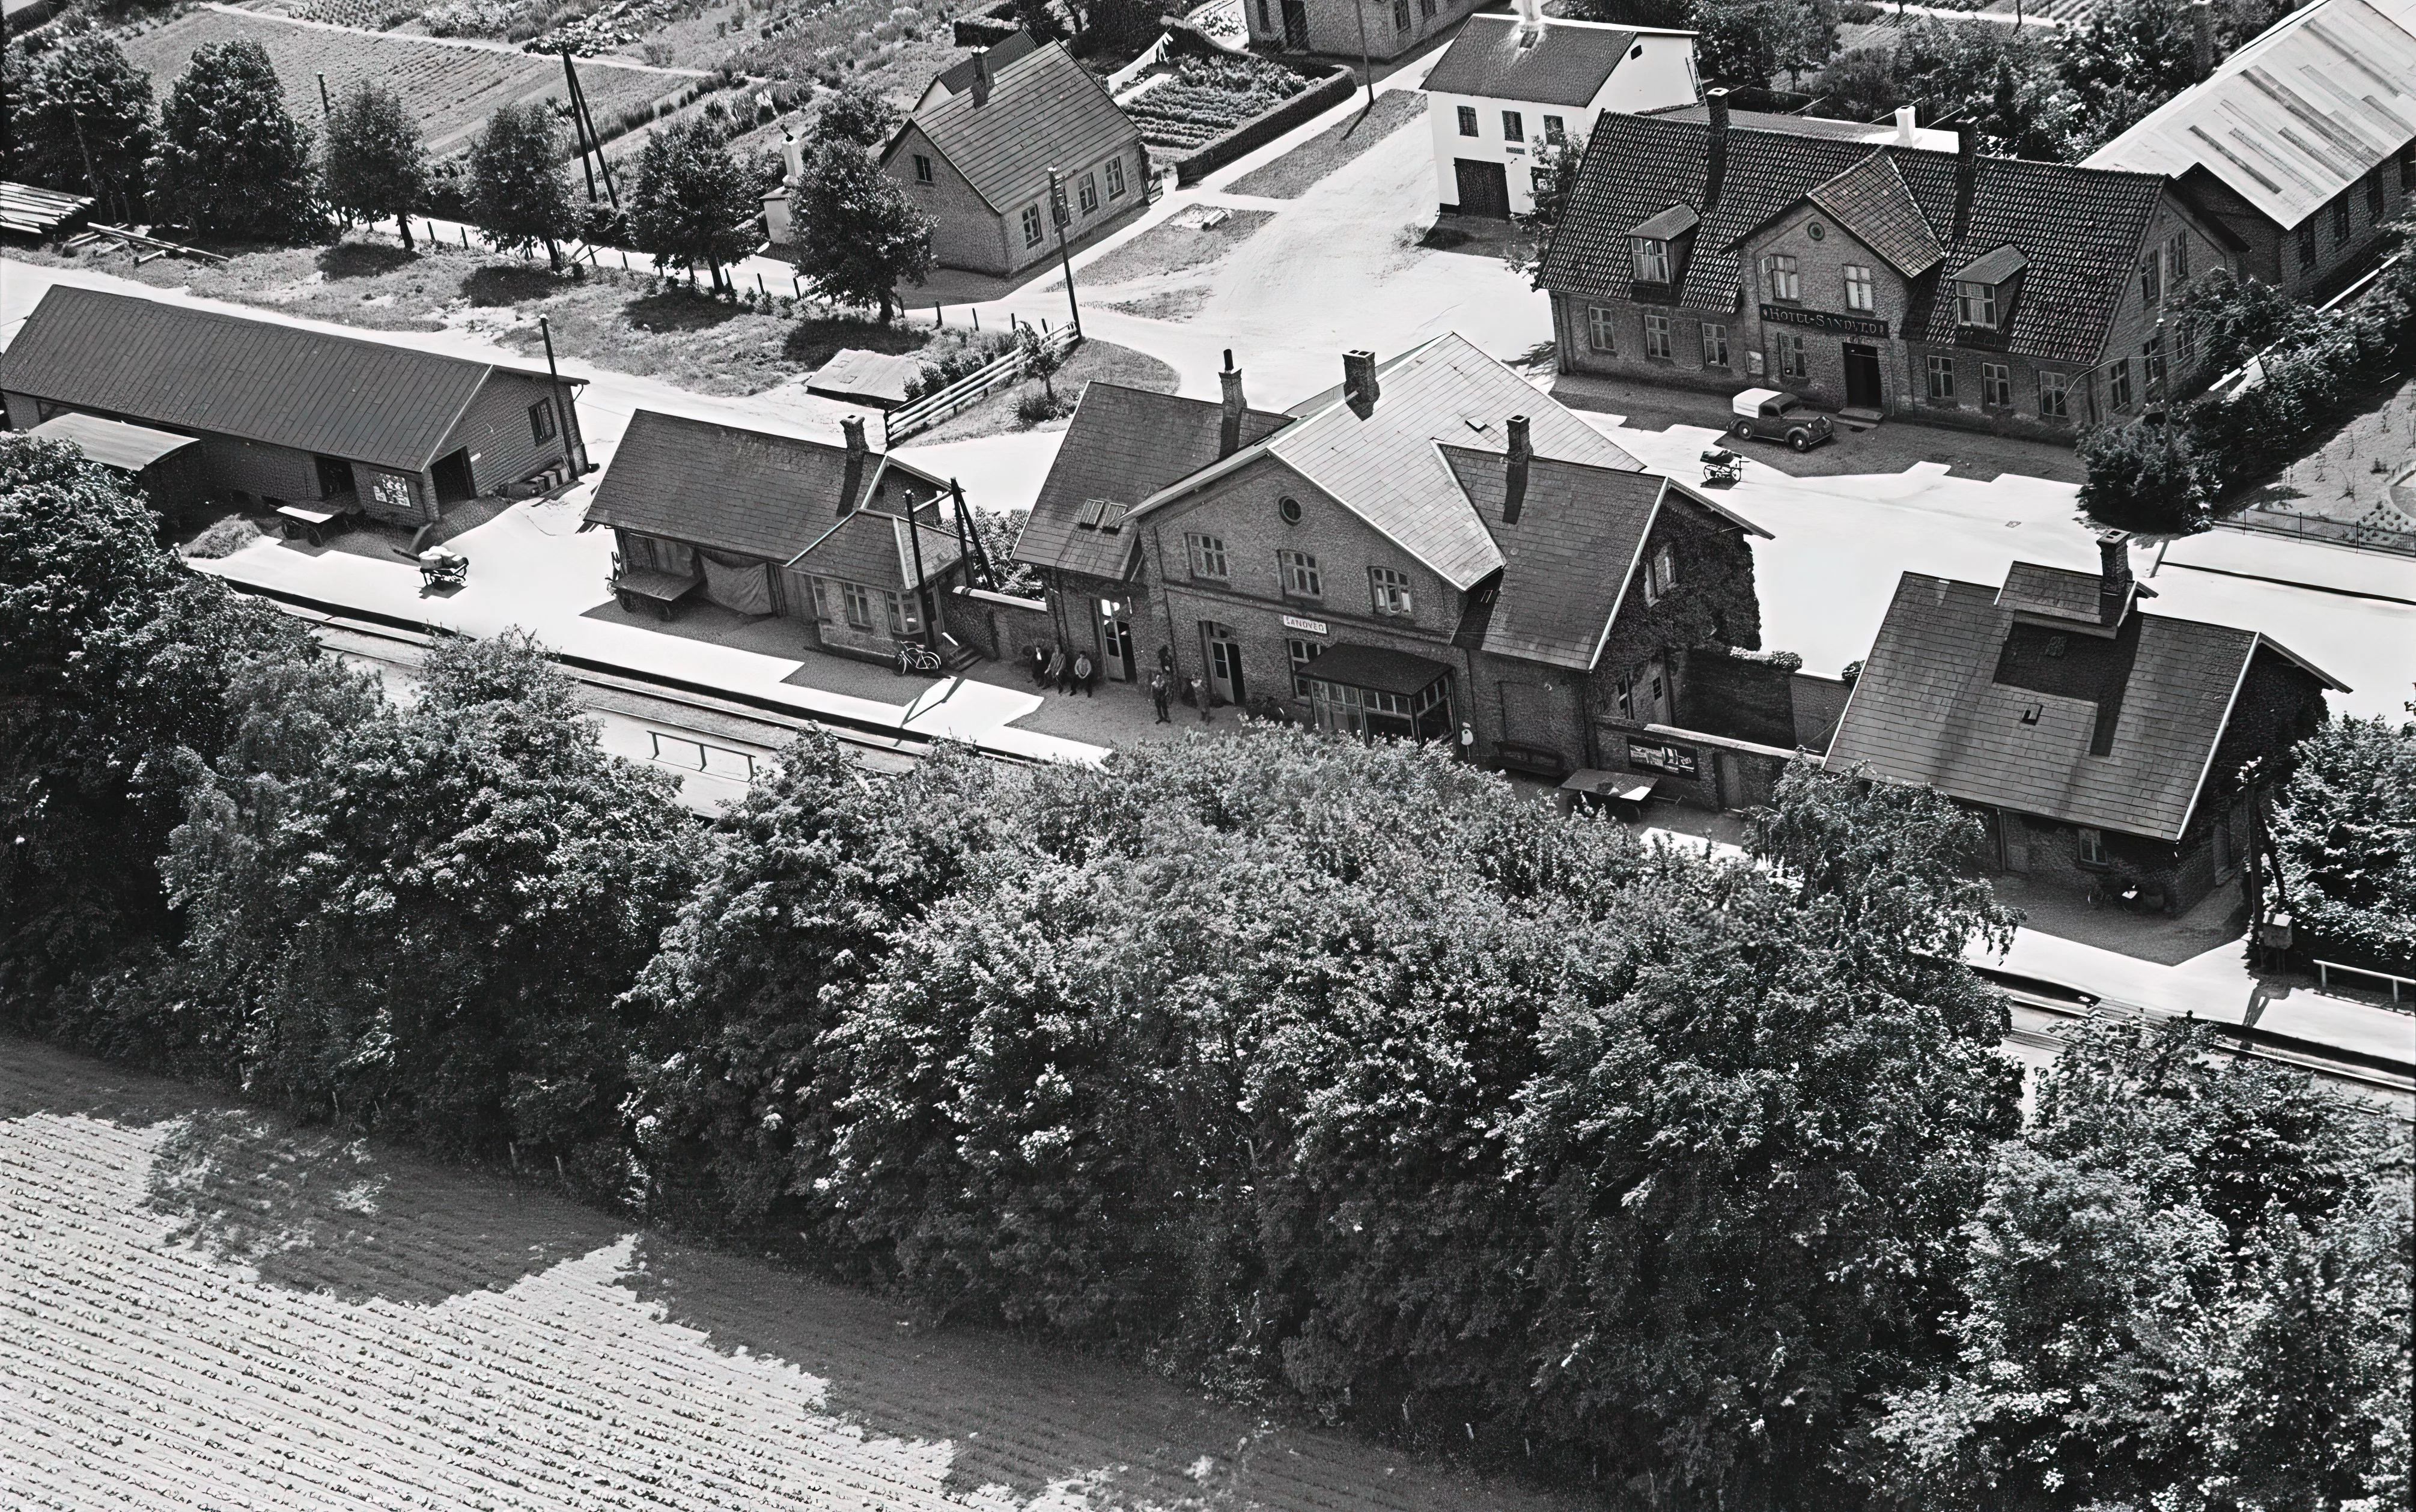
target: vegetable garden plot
<point>450,89</point>
<point>1207,97</point>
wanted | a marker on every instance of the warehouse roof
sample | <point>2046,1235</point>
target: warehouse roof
<point>130,448</point>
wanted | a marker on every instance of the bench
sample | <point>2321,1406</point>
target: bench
<point>1533,760</point>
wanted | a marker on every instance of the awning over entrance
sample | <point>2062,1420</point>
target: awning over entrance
<point>1378,669</point>
<point>1368,690</point>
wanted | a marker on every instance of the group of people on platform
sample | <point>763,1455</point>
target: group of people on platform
<point>1053,667</point>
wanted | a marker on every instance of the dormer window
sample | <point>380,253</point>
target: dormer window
<point>1651,259</point>
<point>1975,304</point>
<point>1983,290</point>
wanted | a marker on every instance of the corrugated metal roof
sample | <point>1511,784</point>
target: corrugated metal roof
<point>1567,64</point>
<point>2287,122</point>
<point>1385,467</point>
<point>1044,110</point>
<point>130,448</point>
<point>282,386</point>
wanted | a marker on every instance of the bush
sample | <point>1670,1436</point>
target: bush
<point>2144,478</point>
<point>2343,831</point>
<point>956,355</point>
<point>225,538</point>
<point>1035,405</point>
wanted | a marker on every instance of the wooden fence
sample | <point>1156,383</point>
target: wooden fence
<point>928,410</point>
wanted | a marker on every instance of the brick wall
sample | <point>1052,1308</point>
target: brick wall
<point>1333,26</point>
<point>965,231</point>
<point>1000,626</point>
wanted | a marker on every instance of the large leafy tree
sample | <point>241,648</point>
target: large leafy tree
<point>2188,1289</point>
<point>858,235</point>
<point>520,196</point>
<point>453,895</point>
<point>1745,43</point>
<point>2345,836</point>
<point>693,202</point>
<point>2128,58</point>
<point>79,119</point>
<point>2143,478</point>
<point>376,160</point>
<point>856,112</point>
<point>231,161</point>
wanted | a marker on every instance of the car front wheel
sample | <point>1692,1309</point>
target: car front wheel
<point>1741,429</point>
<point>1800,440</point>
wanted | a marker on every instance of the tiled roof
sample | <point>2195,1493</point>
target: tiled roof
<point>1387,467</point>
<point>278,385</point>
<point>1927,709</point>
<point>871,547</point>
<point>2294,118</point>
<point>1870,200</point>
<point>958,77</point>
<point>734,489</point>
<point>2079,229</point>
<point>1123,445</point>
<point>1044,109</point>
<point>1566,65</point>
<point>1566,562</point>
<point>130,448</point>
<point>2050,592</point>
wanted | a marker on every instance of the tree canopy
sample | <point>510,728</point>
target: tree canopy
<point>375,160</point>
<point>2344,832</point>
<point>2143,478</point>
<point>856,112</point>
<point>521,197</point>
<point>693,203</point>
<point>79,119</point>
<point>858,235</point>
<point>231,161</point>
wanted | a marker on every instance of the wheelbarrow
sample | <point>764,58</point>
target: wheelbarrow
<point>1721,465</point>
<point>443,568</point>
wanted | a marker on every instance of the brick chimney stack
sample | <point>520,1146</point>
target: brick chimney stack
<point>853,428</point>
<point>1359,382</point>
<point>1967,174</point>
<point>1228,431</point>
<point>2202,36</point>
<point>981,76</point>
<point>1716,157</point>
<point>1514,497</point>
<point>2114,579</point>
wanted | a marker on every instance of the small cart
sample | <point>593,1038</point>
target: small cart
<point>302,522</point>
<point>441,566</point>
<point>1721,465</point>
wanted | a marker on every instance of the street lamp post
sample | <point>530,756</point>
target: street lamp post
<point>1058,213</point>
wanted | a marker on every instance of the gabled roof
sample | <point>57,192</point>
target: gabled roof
<point>1043,110</point>
<point>1122,446</point>
<point>1567,62</point>
<point>1928,709</point>
<point>280,384</point>
<point>871,547</point>
<point>2079,228</point>
<point>1567,560</point>
<point>959,77</point>
<point>1870,200</point>
<point>2054,593</point>
<point>1386,467</point>
<point>750,492</point>
<point>2296,116</point>
<point>130,448</point>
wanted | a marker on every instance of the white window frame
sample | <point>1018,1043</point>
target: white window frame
<point>1388,590</point>
<point>1794,356</point>
<point>902,618</point>
<point>1301,578</point>
<point>1975,304</point>
<point>2092,848</point>
<point>1660,574</point>
<point>1088,193</point>
<point>1208,559</point>
<point>1115,178</point>
<point>1656,335</point>
<point>1601,335</point>
<point>1716,339</point>
<point>1032,225</point>
<point>1400,15</point>
<point>2054,396</point>
<point>392,491</point>
<point>1556,130</point>
<point>1862,290</point>
<point>1941,369</point>
<point>1996,387</point>
<point>1514,127</point>
<point>859,604</point>
<point>923,169</point>
<point>1651,259</point>
<point>1467,126</point>
<point>1783,276</point>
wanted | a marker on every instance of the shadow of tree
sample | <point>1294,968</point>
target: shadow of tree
<point>678,309</point>
<point>812,343</point>
<point>509,283</point>
<point>362,260</point>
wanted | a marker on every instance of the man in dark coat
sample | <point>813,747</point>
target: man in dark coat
<point>1039,666</point>
<point>1158,691</point>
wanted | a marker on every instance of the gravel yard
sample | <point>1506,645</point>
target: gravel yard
<point>1290,175</point>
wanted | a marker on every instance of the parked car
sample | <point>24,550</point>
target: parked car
<point>1776,416</point>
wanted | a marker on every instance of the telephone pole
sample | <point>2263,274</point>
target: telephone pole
<point>1058,213</point>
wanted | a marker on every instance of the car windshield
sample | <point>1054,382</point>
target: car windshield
<point>1779,406</point>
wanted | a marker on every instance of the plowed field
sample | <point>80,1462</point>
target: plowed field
<point>451,87</point>
<point>203,1307</point>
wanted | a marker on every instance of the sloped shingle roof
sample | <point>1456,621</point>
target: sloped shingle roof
<point>2294,118</point>
<point>278,385</point>
<point>1566,562</point>
<point>2079,229</point>
<point>871,547</point>
<point>130,448</point>
<point>1123,445</point>
<point>1928,710</point>
<point>1044,109</point>
<point>1387,467</point>
<point>1567,64</point>
<point>1870,200</point>
<point>733,489</point>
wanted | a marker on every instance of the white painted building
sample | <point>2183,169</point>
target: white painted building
<point>1509,84</point>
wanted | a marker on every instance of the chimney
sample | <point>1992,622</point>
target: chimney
<point>1531,22</point>
<point>1716,156</point>
<point>792,156</point>
<point>2114,580</point>
<point>1359,382</point>
<point>981,76</point>
<point>1229,433</point>
<point>1513,496</point>
<point>853,427</point>
<point>1967,174</point>
<point>2202,34</point>
<point>1908,130</point>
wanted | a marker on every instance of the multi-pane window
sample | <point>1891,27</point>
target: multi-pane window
<point>1792,360</point>
<point>1303,653</point>
<point>1599,332</point>
<point>1400,15</point>
<point>1389,590</point>
<point>1514,127</point>
<point>392,491</point>
<point>902,618</point>
<point>1540,179</point>
<point>541,420</point>
<point>2151,364</point>
<point>859,604</point>
<point>2092,848</point>
<point>2151,283</point>
<point>2374,194</point>
<point>1115,178</point>
<point>1031,225</point>
<point>2340,217</point>
<point>1207,556</point>
<point>922,169</point>
<point>2177,259</point>
<point>1859,292</point>
<point>2184,345</point>
<point>1089,194</point>
<point>1468,120</point>
<point>1656,335</point>
<point>1942,376</point>
<point>2055,397</point>
<point>1975,304</point>
<point>2307,243</point>
<point>1715,345</point>
<point>1300,575</point>
<point>1996,386</point>
<point>1780,276</point>
<point>2118,383</point>
<point>1556,131</point>
<point>1651,261</point>
<point>1660,574</point>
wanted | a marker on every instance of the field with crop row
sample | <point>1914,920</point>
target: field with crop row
<point>451,89</point>
<point>203,1307</point>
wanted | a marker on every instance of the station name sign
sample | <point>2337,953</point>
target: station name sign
<point>1314,626</point>
<point>1820,319</point>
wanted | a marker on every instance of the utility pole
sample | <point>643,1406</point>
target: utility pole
<point>577,123</point>
<point>1058,213</point>
<point>569,397</point>
<point>326,106</point>
<point>922,583</point>
<point>1366,67</point>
